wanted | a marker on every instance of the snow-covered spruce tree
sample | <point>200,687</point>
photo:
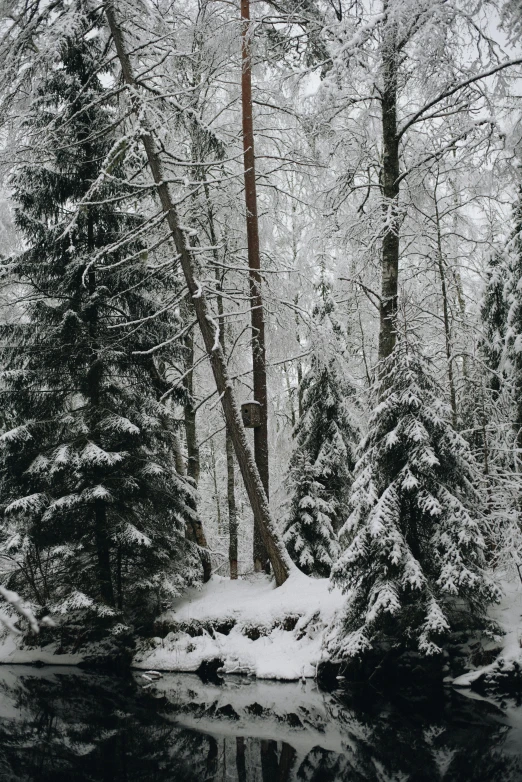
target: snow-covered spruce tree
<point>494,312</point>
<point>414,565</point>
<point>512,355</point>
<point>326,437</point>
<point>91,507</point>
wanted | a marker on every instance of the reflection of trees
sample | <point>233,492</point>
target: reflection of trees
<point>456,740</point>
<point>240,759</point>
<point>75,727</point>
<point>277,765</point>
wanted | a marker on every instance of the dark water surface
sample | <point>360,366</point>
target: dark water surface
<point>64,725</point>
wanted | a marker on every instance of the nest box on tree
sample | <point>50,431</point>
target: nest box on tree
<point>251,414</point>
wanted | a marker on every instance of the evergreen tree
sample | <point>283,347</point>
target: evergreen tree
<point>414,564</point>
<point>321,466</point>
<point>494,312</point>
<point>512,357</point>
<point>91,507</point>
<point>501,413</point>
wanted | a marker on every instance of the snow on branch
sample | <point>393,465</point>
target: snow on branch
<point>14,599</point>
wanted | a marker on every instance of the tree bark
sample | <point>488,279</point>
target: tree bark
<point>445,310</point>
<point>194,530</point>
<point>254,264</point>
<point>232,509</point>
<point>390,191</point>
<point>193,461</point>
<point>229,446</point>
<point>216,488</point>
<point>281,562</point>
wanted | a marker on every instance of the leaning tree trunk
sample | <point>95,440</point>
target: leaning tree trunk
<point>254,265</point>
<point>281,563</point>
<point>390,191</point>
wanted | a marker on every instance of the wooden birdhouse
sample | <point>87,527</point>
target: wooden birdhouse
<point>251,414</point>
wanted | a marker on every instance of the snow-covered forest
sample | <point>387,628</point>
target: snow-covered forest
<point>261,332</point>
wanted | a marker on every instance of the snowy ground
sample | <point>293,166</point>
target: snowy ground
<point>11,654</point>
<point>257,629</point>
<point>303,604</point>
<point>508,614</point>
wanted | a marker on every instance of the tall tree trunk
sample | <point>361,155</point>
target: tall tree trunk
<point>281,562</point>
<point>254,264</point>
<point>299,365</point>
<point>291,393</point>
<point>216,488</point>
<point>94,378</point>
<point>232,509</point>
<point>229,446</point>
<point>194,531</point>
<point>390,190</point>
<point>445,310</point>
<point>119,578</point>
<point>193,461</point>
<point>212,762</point>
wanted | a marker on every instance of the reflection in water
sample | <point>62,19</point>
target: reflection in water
<point>63,725</point>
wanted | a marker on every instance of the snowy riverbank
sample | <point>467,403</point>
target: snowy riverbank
<point>250,625</point>
<point>12,654</point>
<point>254,628</point>
<point>507,665</point>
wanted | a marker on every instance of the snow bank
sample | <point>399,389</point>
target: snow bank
<point>508,614</point>
<point>275,633</point>
<point>11,654</point>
